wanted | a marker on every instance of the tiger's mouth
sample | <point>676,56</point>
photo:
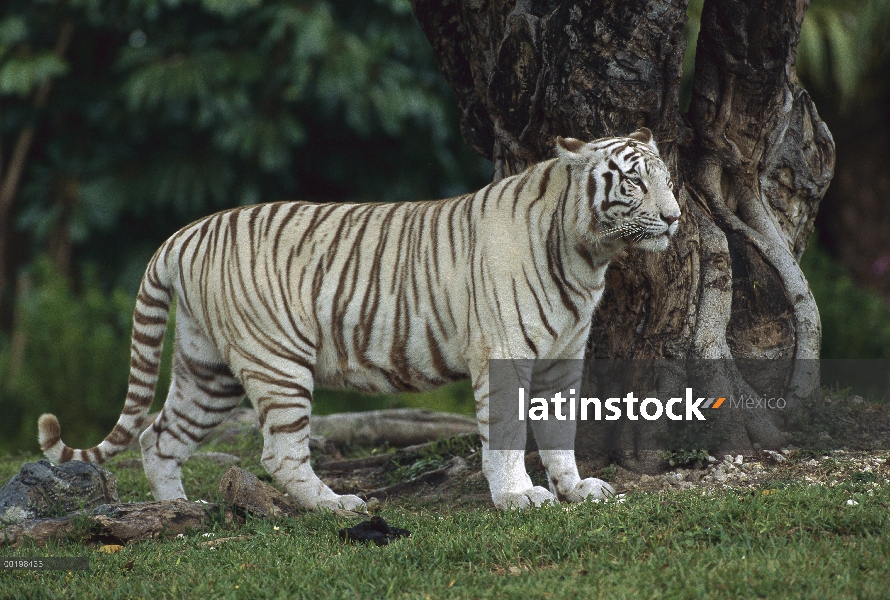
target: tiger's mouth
<point>650,235</point>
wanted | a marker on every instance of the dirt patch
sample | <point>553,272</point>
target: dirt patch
<point>460,483</point>
<point>841,440</point>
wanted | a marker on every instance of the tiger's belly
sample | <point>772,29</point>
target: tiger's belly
<point>408,361</point>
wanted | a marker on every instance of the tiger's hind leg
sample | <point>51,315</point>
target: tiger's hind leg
<point>281,391</point>
<point>202,393</point>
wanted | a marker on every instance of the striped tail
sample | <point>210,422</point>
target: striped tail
<point>149,325</point>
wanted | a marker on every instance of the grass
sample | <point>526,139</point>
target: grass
<point>779,541</point>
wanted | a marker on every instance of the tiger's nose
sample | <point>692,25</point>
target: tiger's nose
<point>669,219</point>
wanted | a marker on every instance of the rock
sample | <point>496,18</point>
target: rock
<point>376,530</point>
<point>42,489</point>
<point>775,456</point>
<point>457,466</point>
<point>242,489</point>
<point>674,478</point>
<point>118,523</point>
<point>739,460</point>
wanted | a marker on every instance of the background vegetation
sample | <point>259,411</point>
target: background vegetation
<point>123,120</point>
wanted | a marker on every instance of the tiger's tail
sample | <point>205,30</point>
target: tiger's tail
<point>149,325</point>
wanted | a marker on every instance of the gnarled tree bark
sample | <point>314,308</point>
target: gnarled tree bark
<point>751,157</point>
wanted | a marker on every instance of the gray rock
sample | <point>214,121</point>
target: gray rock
<point>243,489</point>
<point>775,456</point>
<point>42,489</point>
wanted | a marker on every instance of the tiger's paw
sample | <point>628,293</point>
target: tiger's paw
<point>345,502</point>
<point>535,496</point>
<point>590,489</point>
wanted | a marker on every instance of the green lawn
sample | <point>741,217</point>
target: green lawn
<point>781,541</point>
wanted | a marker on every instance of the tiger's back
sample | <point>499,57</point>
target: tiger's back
<point>380,297</point>
<point>276,298</point>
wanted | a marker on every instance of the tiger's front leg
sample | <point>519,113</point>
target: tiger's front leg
<point>555,436</point>
<point>510,485</point>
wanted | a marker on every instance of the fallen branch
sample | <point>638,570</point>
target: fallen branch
<point>456,466</point>
<point>401,456</point>
<point>119,523</point>
<point>395,426</point>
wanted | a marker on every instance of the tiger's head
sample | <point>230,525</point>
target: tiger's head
<point>626,194</point>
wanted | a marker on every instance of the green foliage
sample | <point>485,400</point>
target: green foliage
<point>455,397</point>
<point>844,50</point>
<point>608,473</point>
<point>21,76</point>
<point>163,111</point>
<point>684,458</point>
<point>436,456</point>
<point>68,356</point>
<point>855,322</point>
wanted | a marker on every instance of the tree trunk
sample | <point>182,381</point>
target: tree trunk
<point>752,160</point>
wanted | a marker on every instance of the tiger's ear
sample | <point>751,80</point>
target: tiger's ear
<point>644,135</point>
<point>568,148</point>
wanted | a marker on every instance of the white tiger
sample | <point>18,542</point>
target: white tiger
<point>276,298</point>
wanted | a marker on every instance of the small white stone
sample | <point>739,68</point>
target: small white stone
<point>711,459</point>
<point>739,460</point>
<point>852,502</point>
<point>775,456</point>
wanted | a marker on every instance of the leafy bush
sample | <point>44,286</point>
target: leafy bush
<point>684,458</point>
<point>69,355</point>
<point>855,322</point>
